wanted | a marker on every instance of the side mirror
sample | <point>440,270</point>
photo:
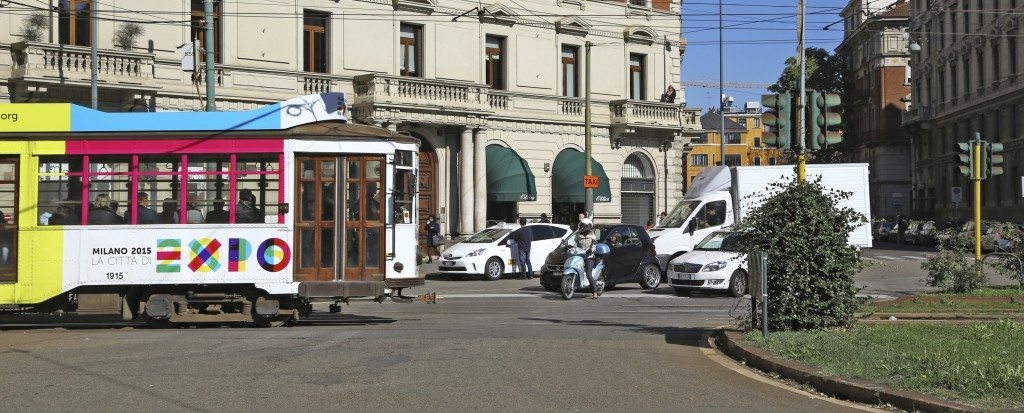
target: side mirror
<point>691,227</point>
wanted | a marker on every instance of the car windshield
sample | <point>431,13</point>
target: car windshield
<point>487,236</point>
<point>718,241</point>
<point>679,214</point>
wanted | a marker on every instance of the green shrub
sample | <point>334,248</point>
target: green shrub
<point>810,264</point>
<point>951,270</point>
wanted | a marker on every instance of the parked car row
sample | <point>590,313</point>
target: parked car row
<point>996,236</point>
<point>713,265</point>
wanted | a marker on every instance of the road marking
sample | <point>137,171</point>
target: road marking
<point>542,295</point>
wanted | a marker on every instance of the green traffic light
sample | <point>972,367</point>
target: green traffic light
<point>778,116</point>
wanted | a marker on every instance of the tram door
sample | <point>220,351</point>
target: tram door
<point>9,219</point>
<point>315,223</point>
<point>364,213</point>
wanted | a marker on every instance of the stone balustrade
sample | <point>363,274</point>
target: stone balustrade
<point>636,113</point>
<point>72,64</point>
<point>417,92</point>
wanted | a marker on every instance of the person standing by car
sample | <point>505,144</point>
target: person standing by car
<point>544,218</point>
<point>524,240</point>
<point>434,239</point>
<point>587,241</point>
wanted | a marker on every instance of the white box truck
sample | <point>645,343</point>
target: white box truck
<point>721,196</point>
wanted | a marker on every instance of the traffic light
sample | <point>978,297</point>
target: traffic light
<point>966,157</point>
<point>780,117</point>
<point>811,113</point>
<point>991,160</point>
<point>826,118</point>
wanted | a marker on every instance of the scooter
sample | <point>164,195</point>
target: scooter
<point>575,275</point>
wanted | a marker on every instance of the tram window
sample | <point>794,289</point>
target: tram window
<point>109,190</point>
<point>403,158</point>
<point>160,180</point>
<point>405,192</point>
<point>259,175</point>
<point>208,188</point>
<point>59,193</point>
<point>8,219</point>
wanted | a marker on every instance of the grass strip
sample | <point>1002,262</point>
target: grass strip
<point>978,364</point>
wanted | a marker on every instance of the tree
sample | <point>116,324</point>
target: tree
<point>811,265</point>
<point>35,24</point>
<point>825,73</point>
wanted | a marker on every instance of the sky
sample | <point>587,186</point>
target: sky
<point>756,47</point>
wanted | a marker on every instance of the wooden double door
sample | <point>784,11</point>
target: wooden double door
<point>340,189</point>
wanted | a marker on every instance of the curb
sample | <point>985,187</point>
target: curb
<point>734,344</point>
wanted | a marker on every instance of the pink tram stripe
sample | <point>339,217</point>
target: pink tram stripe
<point>173,146</point>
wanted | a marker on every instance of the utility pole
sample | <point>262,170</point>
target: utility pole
<point>94,56</point>
<point>721,85</point>
<point>801,137</point>
<point>588,193</point>
<point>976,177</point>
<point>211,74</point>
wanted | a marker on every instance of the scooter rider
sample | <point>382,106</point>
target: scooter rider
<point>587,241</point>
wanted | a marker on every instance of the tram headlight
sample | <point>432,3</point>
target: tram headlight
<point>476,252</point>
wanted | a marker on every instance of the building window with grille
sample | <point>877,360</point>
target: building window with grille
<point>996,75</point>
<point>199,26</point>
<point>732,160</point>
<point>495,57</point>
<point>981,69</point>
<point>73,22</point>
<point>570,71</point>
<point>967,75</point>
<point>314,41</point>
<point>953,79</point>
<point>732,138</point>
<point>637,77</point>
<point>699,160</point>
<point>410,47</point>
<point>1011,49</point>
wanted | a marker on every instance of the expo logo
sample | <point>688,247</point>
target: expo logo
<point>205,255</point>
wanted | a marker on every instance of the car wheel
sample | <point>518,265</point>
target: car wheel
<point>650,277</point>
<point>682,292</point>
<point>493,269</point>
<point>738,283</point>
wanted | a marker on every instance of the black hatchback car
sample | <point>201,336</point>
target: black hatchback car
<point>632,258</point>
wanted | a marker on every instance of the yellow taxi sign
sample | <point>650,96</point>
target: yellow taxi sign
<point>35,117</point>
<point>591,182</point>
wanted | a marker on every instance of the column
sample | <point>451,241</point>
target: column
<point>466,204</point>
<point>480,178</point>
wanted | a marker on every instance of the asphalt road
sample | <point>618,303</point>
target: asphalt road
<point>505,345</point>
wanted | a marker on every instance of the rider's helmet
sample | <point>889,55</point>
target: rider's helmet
<point>586,224</point>
<point>602,249</point>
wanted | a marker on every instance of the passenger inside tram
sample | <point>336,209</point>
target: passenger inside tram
<point>101,212</point>
<point>217,215</point>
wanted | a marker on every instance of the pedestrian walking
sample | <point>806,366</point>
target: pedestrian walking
<point>901,227</point>
<point>524,241</point>
<point>434,239</point>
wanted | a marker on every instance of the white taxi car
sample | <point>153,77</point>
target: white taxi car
<point>487,252</point>
<point>713,264</point>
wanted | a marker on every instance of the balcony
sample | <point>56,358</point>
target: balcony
<point>636,114</point>
<point>917,115</point>
<point>413,99</point>
<point>48,63</point>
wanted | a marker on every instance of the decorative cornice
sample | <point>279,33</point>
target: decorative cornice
<point>498,13</point>
<point>640,34</point>
<point>573,25</point>
<point>416,6</point>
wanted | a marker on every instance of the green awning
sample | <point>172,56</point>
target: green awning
<point>509,178</point>
<point>567,178</point>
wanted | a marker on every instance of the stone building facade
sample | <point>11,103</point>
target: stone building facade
<point>875,47</point>
<point>966,80</point>
<point>503,81</point>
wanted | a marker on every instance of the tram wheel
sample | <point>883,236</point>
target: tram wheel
<point>276,321</point>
